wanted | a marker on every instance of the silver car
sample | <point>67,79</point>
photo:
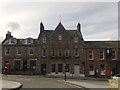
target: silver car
<point>116,77</point>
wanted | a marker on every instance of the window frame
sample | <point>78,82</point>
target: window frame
<point>44,53</point>
<point>92,54</point>
<point>18,51</point>
<point>103,55</point>
<point>59,37</point>
<point>115,54</point>
<point>76,54</point>
<point>44,39</point>
<point>7,50</point>
<point>30,51</point>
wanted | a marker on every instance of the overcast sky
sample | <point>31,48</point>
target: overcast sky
<point>99,20</point>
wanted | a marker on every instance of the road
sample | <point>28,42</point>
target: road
<point>41,82</point>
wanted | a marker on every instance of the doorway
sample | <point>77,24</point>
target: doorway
<point>76,70</point>
<point>43,69</point>
<point>24,65</point>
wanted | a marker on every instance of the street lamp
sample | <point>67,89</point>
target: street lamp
<point>65,69</point>
<point>108,55</point>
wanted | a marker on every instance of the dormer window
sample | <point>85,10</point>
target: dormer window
<point>44,39</point>
<point>59,37</point>
<point>75,39</point>
<point>13,41</point>
<point>29,41</point>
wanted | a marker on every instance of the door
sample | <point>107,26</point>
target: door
<point>17,65</point>
<point>76,70</point>
<point>43,69</point>
<point>24,65</point>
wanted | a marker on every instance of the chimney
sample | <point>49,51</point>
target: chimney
<point>79,27</point>
<point>8,35</point>
<point>41,26</point>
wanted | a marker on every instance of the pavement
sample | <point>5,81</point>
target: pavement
<point>89,86</point>
<point>7,85</point>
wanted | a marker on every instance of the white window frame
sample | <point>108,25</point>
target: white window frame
<point>30,51</point>
<point>67,52</point>
<point>59,53</point>
<point>59,37</point>
<point>115,55</point>
<point>44,53</point>
<point>92,55</point>
<point>6,50</point>
<point>77,53</point>
<point>53,53</point>
<point>76,39</point>
<point>18,51</point>
<point>102,55</point>
<point>44,39</point>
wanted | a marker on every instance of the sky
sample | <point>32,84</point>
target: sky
<point>99,20</point>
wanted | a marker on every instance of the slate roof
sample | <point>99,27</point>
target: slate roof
<point>102,44</point>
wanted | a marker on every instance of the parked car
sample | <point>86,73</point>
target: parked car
<point>116,77</point>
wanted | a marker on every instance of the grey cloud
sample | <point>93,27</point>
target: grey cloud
<point>12,26</point>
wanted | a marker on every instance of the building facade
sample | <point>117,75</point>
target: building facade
<point>60,51</point>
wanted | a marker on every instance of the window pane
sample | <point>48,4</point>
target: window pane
<point>31,51</point>
<point>19,51</point>
<point>59,37</point>
<point>75,39</point>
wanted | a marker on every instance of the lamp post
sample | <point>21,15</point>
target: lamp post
<point>108,56</point>
<point>65,69</point>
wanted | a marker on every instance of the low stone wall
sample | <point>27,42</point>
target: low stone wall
<point>114,84</point>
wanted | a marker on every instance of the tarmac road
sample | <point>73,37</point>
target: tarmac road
<point>41,83</point>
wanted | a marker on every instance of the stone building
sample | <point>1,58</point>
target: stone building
<point>59,51</point>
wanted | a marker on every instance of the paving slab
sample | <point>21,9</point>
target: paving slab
<point>6,85</point>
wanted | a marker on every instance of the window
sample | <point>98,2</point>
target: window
<point>67,68</point>
<point>101,55</point>
<point>113,55</point>
<point>12,40</point>
<point>75,39</point>
<point>7,51</point>
<point>44,39</point>
<point>59,53</point>
<point>19,51</point>
<point>44,53</point>
<point>31,51</point>
<point>102,67</point>
<point>29,40</point>
<point>17,65</point>
<point>91,67</point>
<point>91,55</point>
<point>59,37</point>
<point>53,67</point>
<point>66,53</point>
<point>59,67</point>
<point>76,53</point>
<point>32,65</point>
<point>53,53</point>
